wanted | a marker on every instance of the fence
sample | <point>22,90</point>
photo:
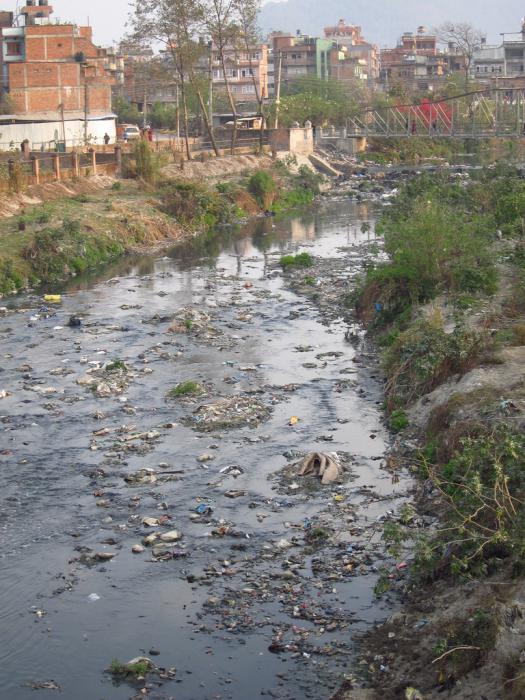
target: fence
<point>39,168</point>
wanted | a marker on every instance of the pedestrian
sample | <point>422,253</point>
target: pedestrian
<point>150,134</point>
<point>107,138</point>
<point>434,126</point>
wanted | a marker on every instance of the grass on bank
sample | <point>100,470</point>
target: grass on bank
<point>441,238</point>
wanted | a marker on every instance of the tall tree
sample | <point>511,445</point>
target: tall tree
<point>466,38</point>
<point>174,24</point>
<point>220,16</point>
<point>248,16</point>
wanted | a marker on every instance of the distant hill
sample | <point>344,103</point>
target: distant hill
<point>383,21</point>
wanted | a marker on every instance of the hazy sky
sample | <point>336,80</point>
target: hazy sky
<point>106,16</point>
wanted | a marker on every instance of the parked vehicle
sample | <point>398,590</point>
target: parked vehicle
<point>130,132</point>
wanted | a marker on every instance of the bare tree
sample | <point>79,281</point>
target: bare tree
<point>174,24</point>
<point>248,16</point>
<point>465,38</point>
<point>220,16</point>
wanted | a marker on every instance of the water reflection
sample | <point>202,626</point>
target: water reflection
<point>264,235</point>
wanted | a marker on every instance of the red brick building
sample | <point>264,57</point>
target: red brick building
<point>54,72</point>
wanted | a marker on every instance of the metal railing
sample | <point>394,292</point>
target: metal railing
<point>481,114</point>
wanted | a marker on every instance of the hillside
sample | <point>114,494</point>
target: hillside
<point>383,21</point>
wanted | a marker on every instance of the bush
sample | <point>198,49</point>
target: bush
<point>398,421</point>
<point>484,488</point>
<point>300,260</point>
<point>263,187</point>
<point>424,356</point>
<point>435,243</point>
<point>196,205</point>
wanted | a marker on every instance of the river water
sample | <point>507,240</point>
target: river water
<point>242,576</point>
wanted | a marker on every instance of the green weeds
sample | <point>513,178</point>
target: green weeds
<point>189,388</point>
<point>300,260</point>
<point>424,356</point>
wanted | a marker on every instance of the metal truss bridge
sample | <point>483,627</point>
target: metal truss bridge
<point>482,114</point>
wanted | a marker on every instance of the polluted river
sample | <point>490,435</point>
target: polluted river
<point>152,501</point>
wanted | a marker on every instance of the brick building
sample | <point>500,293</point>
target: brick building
<point>362,53</point>
<point>417,62</point>
<point>54,73</point>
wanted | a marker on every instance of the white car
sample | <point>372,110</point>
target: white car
<point>130,133</point>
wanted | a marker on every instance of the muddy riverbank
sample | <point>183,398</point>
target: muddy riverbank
<point>140,519</point>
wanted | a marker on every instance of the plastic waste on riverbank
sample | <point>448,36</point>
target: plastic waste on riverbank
<point>53,298</point>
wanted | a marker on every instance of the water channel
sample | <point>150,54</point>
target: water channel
<point>242,575</point>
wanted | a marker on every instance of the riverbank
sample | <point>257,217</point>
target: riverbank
<point>84,225</point>
<point>447,309</point>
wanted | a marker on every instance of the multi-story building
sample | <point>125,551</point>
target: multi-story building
<point>296,56</point>
<point>246,72</point>
<point>514,54</point>
<point>54,74</point>
<point>409,44</point>
<point>488,63</point>
<point>349,37</point>
<point>418,63</point>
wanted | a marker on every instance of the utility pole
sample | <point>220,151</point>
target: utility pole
<point>278,92</point>
<point>145,108</point>
<point>177,113</point>
<point>86,106</point>
<point>210,96</point>
<point>61,107</point>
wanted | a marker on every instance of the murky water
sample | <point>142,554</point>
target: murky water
<point>214,613</point>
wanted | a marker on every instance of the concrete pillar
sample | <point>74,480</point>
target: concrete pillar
<point>35,168</point>
<point>93,160</point>
<point>56,165</point>
<point>26,149</point>
<point>75,164</point>
<point>118,160</point>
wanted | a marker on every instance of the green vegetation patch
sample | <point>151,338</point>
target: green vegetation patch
<point>300,260</point>
<point>189,388</point>
<point>424,356</point>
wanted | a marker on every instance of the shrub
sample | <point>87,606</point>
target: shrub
<point>436,241</point>
<point>398,421</point>
<point>483,486</point>
<point>195,205</point>
<point>263,187</point>
<point>300,260</point>
<point>146,164</point>
<point>424,356</point>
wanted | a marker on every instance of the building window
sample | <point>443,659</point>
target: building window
<point>297,55</point>
<point>255,56</point>
<point>246,73</point>
<point>14,48</point>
